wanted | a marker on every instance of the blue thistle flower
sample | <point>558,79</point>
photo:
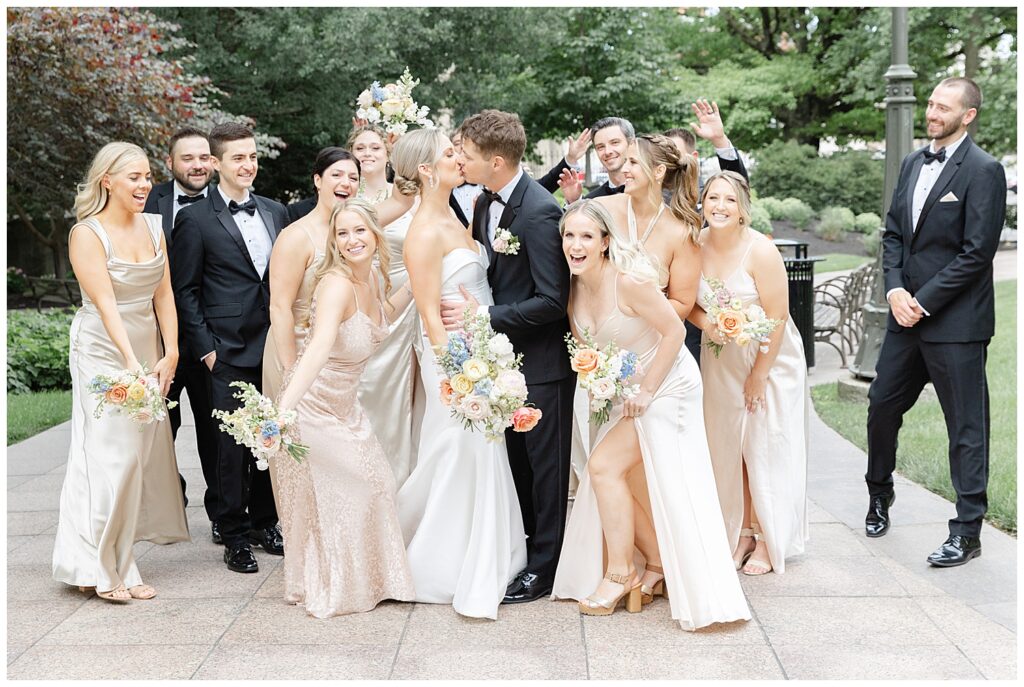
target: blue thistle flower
<point>483,387</point>
<point>377,92</point>
<point>269,428</point>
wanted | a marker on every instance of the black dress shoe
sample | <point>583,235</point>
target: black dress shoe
<point>240,559</point>
<point>956,550</point>
<point>531,587</point>
<point>514,586</point>
<point>269,539</point>
<point>877,521</point>
<point>215,533</point>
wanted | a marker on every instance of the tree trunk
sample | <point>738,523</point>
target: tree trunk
<point>972,59</point>
<point>60,250</point>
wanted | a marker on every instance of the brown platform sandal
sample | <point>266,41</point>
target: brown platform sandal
<point>647,594</point>
<point>598,606</point>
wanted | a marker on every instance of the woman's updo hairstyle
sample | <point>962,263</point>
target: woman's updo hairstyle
<point>681,174</point>
<point>111,159</point>
<point>419,147</point>
<point>330,155</point>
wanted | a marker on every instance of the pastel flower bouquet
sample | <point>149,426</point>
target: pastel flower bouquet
<point>135,394</point>
<point>483,386</point>
<point>260,426</point>
<point>604,373</point>
<point>735,323</point>
<point>392,105</point>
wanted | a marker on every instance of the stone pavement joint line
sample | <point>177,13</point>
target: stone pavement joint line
<point>849,607</point>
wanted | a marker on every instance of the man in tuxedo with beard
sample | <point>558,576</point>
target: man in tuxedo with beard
<point>612,137</point>
<point>531,293</point>
<point>941,235</point>
<point>219,261</point>
<point>188,160</point>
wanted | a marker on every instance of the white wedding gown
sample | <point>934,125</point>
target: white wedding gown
<point>458,509</point>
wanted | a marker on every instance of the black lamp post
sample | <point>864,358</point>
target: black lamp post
<point>899,142</point>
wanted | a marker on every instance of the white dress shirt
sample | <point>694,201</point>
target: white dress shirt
<point>465,196</point>
<point>497,209</point>
<point>178,191</point>
<point>254,233</point>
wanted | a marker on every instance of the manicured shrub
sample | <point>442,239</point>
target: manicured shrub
<point>872,243</point>
<point>797,211</point>
<point>774,206</point>
<point>17,280</point>
<point>37,350</point>
<point>835,222</point>
<point>760,219</point>
<point>867,222</point>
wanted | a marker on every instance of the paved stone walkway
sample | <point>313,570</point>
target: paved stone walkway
<point>850,607</point>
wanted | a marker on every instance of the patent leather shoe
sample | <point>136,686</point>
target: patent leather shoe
<point>215,533</point>
<point>530,587</point>
<point>240,559</point>
<point>877,521</point>
<point>956,550</point>
<point>269,539</point>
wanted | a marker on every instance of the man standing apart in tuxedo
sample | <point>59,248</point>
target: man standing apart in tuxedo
<point>531,294</point>
<point>219,262</point>
<point>188,160</point>
<point>941,234</point>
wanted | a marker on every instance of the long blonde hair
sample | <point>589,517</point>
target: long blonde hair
<point>334,261</point>
<point>111,159</point>
<point>681,175</point>
<point>625,258</point>
<point>419,147</point>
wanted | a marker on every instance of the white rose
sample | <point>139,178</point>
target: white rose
<point>615,365</point>
<point>596,405</point>
<point>602,389</point>
<point>143,416</point>
<point>373,115</point>
<point>392,107</point>
<point>511,383</point>
<point>475,408</point>
<point>365,101</point>
<point>500,345</point>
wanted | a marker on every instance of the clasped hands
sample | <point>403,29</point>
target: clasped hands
<point>905,308</point>
<point>453,312</point>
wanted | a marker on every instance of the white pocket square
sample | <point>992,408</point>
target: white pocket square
<point>948,198</point>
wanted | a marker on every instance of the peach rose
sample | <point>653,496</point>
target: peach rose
<point>271,444</point>
<point>117,394</point>
<point>447,392</point>
<point>585,361</point>
<point>730,323</point>
<point>525,419</point>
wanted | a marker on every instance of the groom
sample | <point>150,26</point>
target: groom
<point>531,292</point>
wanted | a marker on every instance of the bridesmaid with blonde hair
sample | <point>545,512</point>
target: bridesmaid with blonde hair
<point>756,400</point>
<point>344,551</point>
<point>121,482</point>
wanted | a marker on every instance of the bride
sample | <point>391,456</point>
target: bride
<point>458,509</point>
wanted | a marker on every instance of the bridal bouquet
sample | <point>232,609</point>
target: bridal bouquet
<point>135,394</point>
<point>483,385</point>
<point>392,105</point>
<point>604,373</point>
<point>260,426</point>
<point>735,323</point>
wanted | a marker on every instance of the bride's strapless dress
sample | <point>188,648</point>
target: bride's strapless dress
<point>458,509</point>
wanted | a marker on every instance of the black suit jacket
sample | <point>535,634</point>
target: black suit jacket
<point>222,302</point>
<point>531,288</point>
<point>161,202</point>
<point>300,208</point>
<point>947,262</point>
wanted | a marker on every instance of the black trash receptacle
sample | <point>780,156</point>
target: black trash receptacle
<point>800,272</point>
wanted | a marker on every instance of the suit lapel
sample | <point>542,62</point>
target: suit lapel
<point>915,174</point>
<point>949,171</point>
<point>165,206</point>
<point>268,218</point>
<point>228,222</point>
<point>508,215</point>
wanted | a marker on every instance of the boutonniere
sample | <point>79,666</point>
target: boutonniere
<point>505,242</point>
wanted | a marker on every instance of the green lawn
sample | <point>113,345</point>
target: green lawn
<point>834,262</point>
<point>923,446</point>
<point>29,414</point>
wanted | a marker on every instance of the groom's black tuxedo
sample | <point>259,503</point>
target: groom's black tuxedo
<point>945,262</point>
<point>223,306</point>
<point>531,294</point>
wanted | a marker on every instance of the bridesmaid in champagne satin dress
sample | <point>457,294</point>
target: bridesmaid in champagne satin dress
<point>121,481</point>
<point>756,403</point>
<point>344,551</point>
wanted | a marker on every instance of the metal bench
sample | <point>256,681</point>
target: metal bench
<point>48,291</point>
<point>838,320</point>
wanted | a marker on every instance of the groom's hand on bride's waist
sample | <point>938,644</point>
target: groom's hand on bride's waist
<point>452,312</point>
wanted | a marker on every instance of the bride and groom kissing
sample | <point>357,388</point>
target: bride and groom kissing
<point>483,521</point>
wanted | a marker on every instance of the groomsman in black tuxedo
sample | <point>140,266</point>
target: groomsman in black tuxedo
<point>611,136</point>
<point>463,197</point>
<point>531,293</point>
<point>219,262</point>
<point>188,159</point>
<point>941,234</point>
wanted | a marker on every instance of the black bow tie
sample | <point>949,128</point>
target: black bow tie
<point>188,200</point>
<point>492,197</point>
<point>248,206</point>
<point>929,156</point>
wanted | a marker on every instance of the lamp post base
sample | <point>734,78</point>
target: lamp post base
<point>875,316</point>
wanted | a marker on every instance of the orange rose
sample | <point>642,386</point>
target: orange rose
<point>585,361</point>
<point>446,392</point>
<point>117,394</point>
<point>730,323</point>
<point>525,419</point>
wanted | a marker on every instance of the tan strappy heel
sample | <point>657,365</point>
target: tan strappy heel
<point>745,532</point>
<point>118,595</point>
<point>143,592</point>
<point>647,594</point>
<point>631,593</point>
